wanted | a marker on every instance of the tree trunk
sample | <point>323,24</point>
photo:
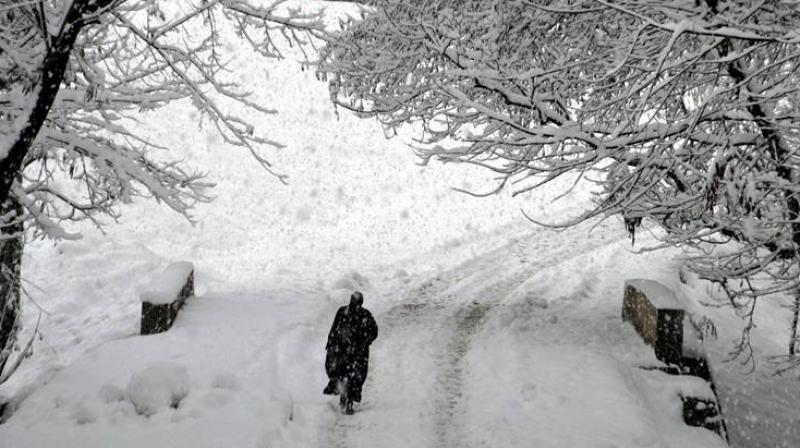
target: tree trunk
<point>46,88</point>
<point>11,244</point>
<point>795,319</point>
<point>43,95</point>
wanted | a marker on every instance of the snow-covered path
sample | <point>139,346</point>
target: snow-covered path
<point>433,382</point>
<point>520,346</point>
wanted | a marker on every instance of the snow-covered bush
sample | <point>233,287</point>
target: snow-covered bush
<point>111,393</point>
<point>158,386</point>
<point>83,414</point>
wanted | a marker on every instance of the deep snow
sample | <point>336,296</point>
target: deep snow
<point>480,354</point>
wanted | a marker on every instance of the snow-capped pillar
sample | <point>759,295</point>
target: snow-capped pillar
<point>165,296</point>
<point>657,315</point>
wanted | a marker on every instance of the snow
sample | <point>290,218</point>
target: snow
<point>562,368</point>
<point>191,365</point>
<point>692,344</point>
<point>157,387</point>
<point>352,281</point>
<point>659,295</point>
<point>166,285</point>
<point>516,346</point>
<point>492,330</point>
<point>666,388</point>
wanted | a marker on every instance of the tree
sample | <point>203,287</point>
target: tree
<point>683,113</point>
<point>74,75</point>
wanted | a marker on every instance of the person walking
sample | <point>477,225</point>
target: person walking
<point>347,357</point>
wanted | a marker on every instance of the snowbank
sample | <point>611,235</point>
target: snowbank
<point>211,381</point>
<point>555,365</point>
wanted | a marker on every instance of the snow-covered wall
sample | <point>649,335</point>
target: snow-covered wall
<point>654,311</point>
<point>165,286</point>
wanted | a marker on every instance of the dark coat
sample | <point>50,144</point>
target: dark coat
<point>352,332</point>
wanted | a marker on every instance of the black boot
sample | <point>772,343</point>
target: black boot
<point>348,408</point>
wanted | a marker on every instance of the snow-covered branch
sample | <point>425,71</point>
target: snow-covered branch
<point>686,111</point>
<point>74,77</point>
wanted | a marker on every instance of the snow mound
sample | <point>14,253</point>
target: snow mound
<point>158,386</point>
<point>166,285</point>
<point>110,393</point>
<point>692,345</point>
<point>83,414</point>
<point>666,390</point>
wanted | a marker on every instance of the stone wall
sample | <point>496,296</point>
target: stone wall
<point>159,317</point>
<point>658,317</point>
<point>661,327</point>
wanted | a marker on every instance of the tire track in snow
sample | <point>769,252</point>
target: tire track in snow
<point>411,315</point>
<point>467,322</point>
<point>449,394</point>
